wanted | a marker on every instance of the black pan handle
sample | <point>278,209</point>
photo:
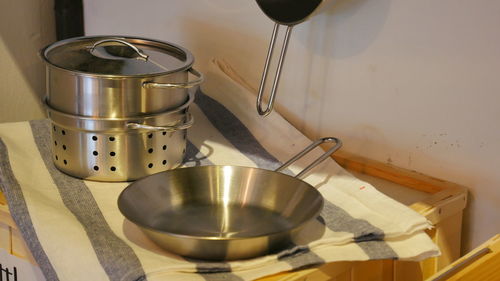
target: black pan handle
<point>274,89</point>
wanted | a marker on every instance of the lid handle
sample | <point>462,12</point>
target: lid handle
<point>142,55</point>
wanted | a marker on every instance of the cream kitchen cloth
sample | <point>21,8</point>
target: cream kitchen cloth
<point>76,232</point>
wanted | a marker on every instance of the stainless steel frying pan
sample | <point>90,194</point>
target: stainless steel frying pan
<point>288,13</point>
<point>224,212</point>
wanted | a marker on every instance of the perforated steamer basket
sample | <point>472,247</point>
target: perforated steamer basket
<point>119,149</point>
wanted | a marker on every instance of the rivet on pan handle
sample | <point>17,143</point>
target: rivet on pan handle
<point>338,144</point>
<point>180,126</point>
<point>182,85</point>
<point>137,50</point>
<point>272,96</point>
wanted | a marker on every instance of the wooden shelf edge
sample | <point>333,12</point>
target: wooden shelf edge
<point>404,177</point>
<point>441,192</point>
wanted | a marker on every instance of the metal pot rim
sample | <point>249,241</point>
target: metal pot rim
<point>115,124</point>
<point>189,61</point>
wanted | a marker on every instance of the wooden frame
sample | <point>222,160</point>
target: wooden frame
<point>443,208</point>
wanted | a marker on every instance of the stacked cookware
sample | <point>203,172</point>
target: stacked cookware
<point>118,105</point>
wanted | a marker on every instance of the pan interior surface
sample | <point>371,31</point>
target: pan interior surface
<point>220,221</point>
<point>220,202</point>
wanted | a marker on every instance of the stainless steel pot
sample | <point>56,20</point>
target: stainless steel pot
<point>224,212</point>
<point>109,76</point>
<point>119,149</point>
<point>288,13</point>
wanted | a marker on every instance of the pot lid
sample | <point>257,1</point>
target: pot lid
<point>117,56</point>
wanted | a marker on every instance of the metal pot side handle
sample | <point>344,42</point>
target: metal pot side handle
<point>177,127</point>
<point>137,50</point>
<point>338,144</point>
<point>189,84</point>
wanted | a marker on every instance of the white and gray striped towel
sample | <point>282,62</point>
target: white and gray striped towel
<point>75,231</point>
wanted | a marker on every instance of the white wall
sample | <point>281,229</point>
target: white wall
<point>25,27</point>
<point>413,83</point>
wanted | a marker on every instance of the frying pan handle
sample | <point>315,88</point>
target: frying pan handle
<point>137,50</point>
<point>338,144</point>
<point>272,96</point>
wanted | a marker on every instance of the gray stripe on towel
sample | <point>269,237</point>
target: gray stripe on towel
<point>216,271</point>
<point>194,157</point>
<point>377,249</point>
<point>224,276</point>
<point>116,257</point>
<point>300,256</point>
<point>337,219</point>
<point>236,132</point>
<point>241,138</point>
<point>19,211</point>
